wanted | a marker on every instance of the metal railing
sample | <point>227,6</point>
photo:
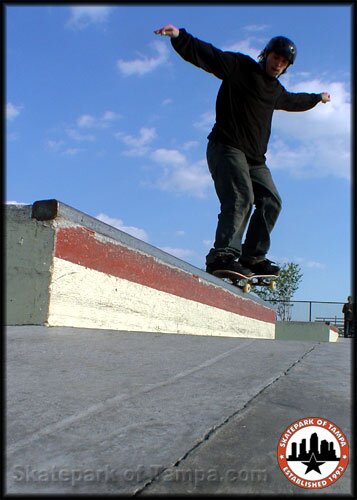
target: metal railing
<point>308,310</point>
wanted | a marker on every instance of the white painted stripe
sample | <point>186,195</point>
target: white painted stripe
<point>333,336</point>
<point>85,298</point>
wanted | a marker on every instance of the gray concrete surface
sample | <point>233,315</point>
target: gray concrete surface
<point>28,256</point>
<point>104,412</point>
<point>303,330</point>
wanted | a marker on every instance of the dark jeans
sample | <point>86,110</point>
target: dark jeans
<point>348,327</point>
<point>240,185</point>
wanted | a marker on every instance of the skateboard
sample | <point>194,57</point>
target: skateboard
<point>247,283</point>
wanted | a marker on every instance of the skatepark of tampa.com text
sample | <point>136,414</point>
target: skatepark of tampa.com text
<point>107,474</point>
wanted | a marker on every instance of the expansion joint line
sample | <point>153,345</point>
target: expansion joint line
<point>211,432</point>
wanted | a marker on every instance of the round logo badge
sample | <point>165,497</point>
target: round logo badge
<point>313,453</point>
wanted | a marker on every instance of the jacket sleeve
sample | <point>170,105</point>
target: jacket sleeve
<point>301,101</point>
<point>204,55</point>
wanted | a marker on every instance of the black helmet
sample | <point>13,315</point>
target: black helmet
<point>282,46</point>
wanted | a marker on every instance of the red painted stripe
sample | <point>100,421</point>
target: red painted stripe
<point>81,246</point>
<point>334,328</point>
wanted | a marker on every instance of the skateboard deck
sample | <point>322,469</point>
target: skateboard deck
<point>246,283</point>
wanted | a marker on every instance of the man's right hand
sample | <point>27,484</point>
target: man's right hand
<point>168,30</point>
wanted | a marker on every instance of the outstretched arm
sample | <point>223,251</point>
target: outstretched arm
<point>202,54</point>
<point>300,101</point>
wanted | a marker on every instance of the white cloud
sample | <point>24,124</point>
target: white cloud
<point>54,145</point>
<point>302,261</point>
<point>71,151</point>
<point>12,111</point>
<point>81,131</point>
<point>16,203</point>
<point>179,175</point>
<point>315,143</point>
<point>189,145</point>
<point>138,144</point>
<point>60,147</point>
<point>110,116</point>
<point>329,119</point>
<point>311,264</point>
<point>169,157</point>
<point>205,121</point>
<point>104,121</point>
<point>321,158</point>
<point>77,136</point>
<point>180,253</point>
<point>85,121</point>
<point>84,16</point>
<point>119,224</point>
<point>145,64</point>
<point>245,47</point>
<point>256,27</point>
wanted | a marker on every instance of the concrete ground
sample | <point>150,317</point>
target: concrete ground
<point>105,412</point>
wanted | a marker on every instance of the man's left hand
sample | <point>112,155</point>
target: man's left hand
<point>325,97</point>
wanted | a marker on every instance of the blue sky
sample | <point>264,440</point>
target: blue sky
<point>104,116</point>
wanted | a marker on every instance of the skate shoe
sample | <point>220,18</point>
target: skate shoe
<point>228,264</point>
<point>264,266</point>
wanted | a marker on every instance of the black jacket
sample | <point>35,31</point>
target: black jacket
<point>247,96</point>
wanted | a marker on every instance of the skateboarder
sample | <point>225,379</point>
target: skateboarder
<point>249,94</point>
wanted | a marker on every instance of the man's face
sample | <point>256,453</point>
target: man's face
<point>275,64</point>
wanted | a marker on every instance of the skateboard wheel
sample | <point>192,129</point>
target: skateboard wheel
<point>247,288</point>
<point>272,285</point>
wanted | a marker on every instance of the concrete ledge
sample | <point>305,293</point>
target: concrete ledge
<point>65,268</point>
<point>301,330</point>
